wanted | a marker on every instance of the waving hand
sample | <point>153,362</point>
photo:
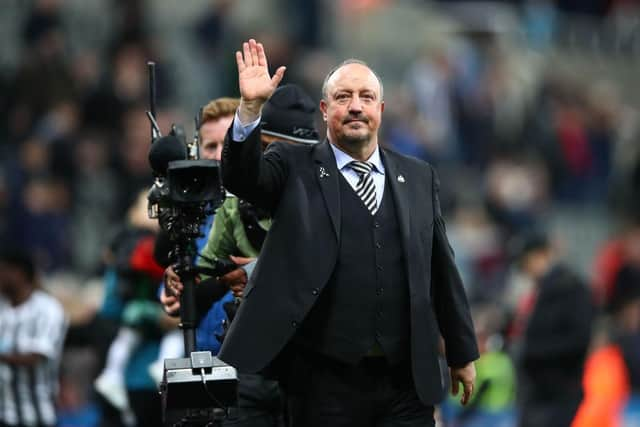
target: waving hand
<point>256,85</point>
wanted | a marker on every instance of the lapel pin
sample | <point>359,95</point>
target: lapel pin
<point>401,178</point>
<point>323,172</point>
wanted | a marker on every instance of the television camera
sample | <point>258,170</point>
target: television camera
<point>200,389</point>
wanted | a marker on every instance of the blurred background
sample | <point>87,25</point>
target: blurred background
<point>528,109</point>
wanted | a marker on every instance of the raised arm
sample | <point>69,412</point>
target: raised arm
<point>245,171</point>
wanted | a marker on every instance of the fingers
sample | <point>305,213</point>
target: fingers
<point>235,280</point>
<point>170,274</point>
<point>237,276</point>
<point>455,385</point>
<point>240,62</point>
<point>467,392</point>
<point>253,48</point>
<point>250,53</point>
<point>176,287</point>
<point>277,77</point>
<point>253,55</point>
<point>238,290</point>
<point>173,287</point>
<point>166,299</point>
<point>172,307</point>
<point>262,58</point>
<point>170,304</point>
<point>246,51</point>
<point>465,375</point>
<point>240,260</point>
<point>172,281</point>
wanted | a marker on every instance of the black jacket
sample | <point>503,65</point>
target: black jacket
<point>299,185</point>
<point>557,336</point>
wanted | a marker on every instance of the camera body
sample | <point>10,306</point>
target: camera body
<point>181,200</point>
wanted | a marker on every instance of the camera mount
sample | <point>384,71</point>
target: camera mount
<point>200,389</point>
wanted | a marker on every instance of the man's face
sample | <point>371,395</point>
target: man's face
<point>353,108</point>
<point>536,263</point>
<point>212,135</point>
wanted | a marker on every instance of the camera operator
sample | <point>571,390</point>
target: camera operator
<point>238,232</point>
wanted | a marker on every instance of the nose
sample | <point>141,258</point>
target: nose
<point>355,106</point>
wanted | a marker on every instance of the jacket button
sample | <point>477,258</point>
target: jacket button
<point>294,324</point>
<point>315,291</point>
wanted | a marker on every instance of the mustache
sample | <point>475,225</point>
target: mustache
<point>356,117</point>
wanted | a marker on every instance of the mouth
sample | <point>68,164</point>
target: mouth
<point>363,121</point>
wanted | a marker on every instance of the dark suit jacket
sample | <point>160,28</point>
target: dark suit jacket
<point>299,185</point>
<point>557,337</point>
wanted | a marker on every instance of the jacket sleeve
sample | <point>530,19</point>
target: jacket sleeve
<point>220,243</point>
<point>251,175</point>
<point>448,295</point>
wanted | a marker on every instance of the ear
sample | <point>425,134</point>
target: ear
<point>323,108</point>
<point>382,106</point>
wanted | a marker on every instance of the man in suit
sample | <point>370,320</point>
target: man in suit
<point>356,280</point>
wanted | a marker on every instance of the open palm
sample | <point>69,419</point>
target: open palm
<point>253,73</point>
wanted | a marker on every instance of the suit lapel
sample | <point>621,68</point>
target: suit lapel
<point>397,182</point>
<point>326,173</point>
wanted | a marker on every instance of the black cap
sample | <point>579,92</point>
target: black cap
<point>290,114</point>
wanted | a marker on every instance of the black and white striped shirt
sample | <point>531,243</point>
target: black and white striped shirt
<point>27,393</point>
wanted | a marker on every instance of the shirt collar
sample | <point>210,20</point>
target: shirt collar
<point>343,159</point>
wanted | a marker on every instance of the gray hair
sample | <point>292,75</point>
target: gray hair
<point>342,64</point>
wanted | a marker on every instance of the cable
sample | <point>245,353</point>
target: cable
<point>211,396</point>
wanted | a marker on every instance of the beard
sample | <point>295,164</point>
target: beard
<point>356,136</point>
<point>355,139</point>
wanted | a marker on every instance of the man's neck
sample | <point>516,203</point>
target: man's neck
<point>360,152</point>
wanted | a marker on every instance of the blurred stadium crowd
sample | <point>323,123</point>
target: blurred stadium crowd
<point>529,110</point>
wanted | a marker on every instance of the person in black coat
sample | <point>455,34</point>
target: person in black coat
<point>555,340</point>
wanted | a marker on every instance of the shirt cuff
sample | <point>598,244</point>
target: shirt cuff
<point>248,268</point>
<point>241,131</point>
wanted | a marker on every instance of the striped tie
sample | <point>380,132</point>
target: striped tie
<point>365,188</point>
